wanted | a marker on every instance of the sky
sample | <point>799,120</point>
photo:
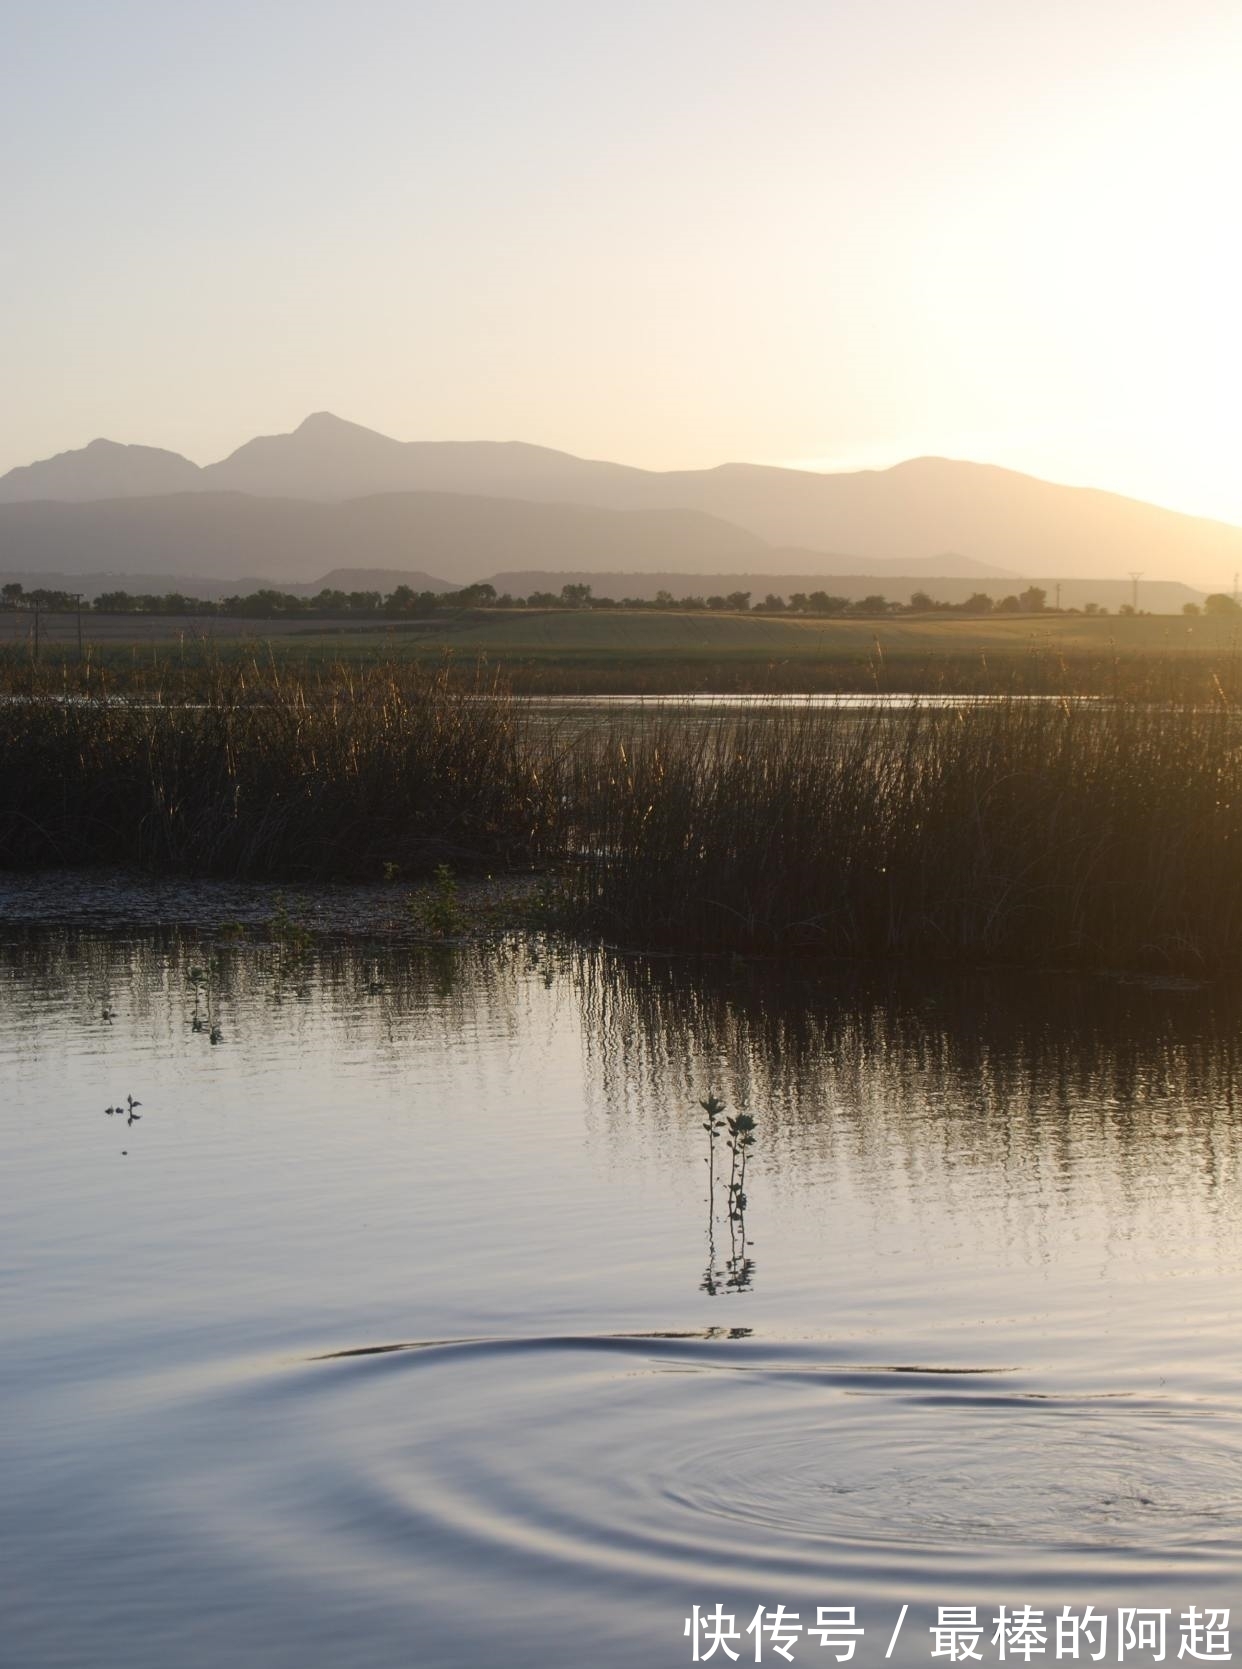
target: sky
<point>830,233</point>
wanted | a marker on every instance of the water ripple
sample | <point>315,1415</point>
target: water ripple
<point>682,1463</point>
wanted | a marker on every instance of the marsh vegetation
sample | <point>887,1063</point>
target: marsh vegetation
<point>1079,831</point>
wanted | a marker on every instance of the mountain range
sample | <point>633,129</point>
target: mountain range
<point>335,494</point>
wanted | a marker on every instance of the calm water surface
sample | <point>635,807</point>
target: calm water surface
<point>396,1329</point>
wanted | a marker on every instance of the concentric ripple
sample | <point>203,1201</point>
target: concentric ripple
<point>619,1478</point>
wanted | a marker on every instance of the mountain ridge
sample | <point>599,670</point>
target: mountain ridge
<point>458,537</point>
<point>1002,519</point>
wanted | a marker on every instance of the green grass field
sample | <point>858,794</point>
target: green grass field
<point>648,651</point>
<point>630,633</point>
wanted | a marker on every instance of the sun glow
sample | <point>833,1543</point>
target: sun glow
<point>999,232</point>
<point>1076,291</point>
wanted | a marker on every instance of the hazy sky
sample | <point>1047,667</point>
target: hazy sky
<point>836,232</point>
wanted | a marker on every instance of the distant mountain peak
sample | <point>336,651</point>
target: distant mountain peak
<point>103,469</point>
<point>328,423</point>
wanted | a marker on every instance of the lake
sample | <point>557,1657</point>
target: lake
<point>404,1326</point>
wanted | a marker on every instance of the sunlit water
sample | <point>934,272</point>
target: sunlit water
<point>395,1330</point>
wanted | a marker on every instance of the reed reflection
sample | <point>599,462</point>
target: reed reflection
<point>238,986</point>
<point>1054,1088</point>
<point>1057,1093</point>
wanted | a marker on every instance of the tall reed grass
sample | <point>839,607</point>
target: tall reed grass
<point>1089,833</point>
<point>1100,833</point>
<point>247,771</point>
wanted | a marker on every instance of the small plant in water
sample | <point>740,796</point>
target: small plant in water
<point>444,916</point>
<point>439,914</point>
<point>714,1123</point>
<point>741,1140</point>
<point>739,1267</point>
<point>204,983</point>
<point>283,925</point>
<point>197,979</point>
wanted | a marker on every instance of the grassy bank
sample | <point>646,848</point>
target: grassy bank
<point>1098,834</point>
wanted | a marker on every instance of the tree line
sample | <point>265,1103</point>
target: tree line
<point>406,603</point>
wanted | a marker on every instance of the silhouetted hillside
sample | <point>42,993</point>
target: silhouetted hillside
<point>101,470</point>
<point>461,539</point>
<point>902,518</point>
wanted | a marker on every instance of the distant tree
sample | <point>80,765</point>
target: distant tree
<point>1008,605</point>
<point>262,604</point>
<point>1191,608</point>
<point>820,602</point>
<point>11,593</point>
<point>1127,609</point>
<point>772,604</point>
<point>664,599</point>
<point>1034,600</point>
<point>543,599</point>
<point>44,597</point>
<point>1220,602</point>
<point>739,601</point>
<point>799,602</point>
<point>717,602</point>
<point>478,596</point>
<point>920,602</point>
<point>692,603</point>
<point>873,604</point>
<point>977,603</point>
<point>576,596</point>
<point>400,601</point>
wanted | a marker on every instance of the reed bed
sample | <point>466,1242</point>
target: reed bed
<point>1101,833</point>
<point>1083,833</point>
<point>241,770</point>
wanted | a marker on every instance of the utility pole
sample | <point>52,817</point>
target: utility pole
<point>1135,577</point>
<point>1058,601</point>
<point>78,600</point>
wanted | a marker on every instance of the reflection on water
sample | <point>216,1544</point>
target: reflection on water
<point>501,1305</point>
